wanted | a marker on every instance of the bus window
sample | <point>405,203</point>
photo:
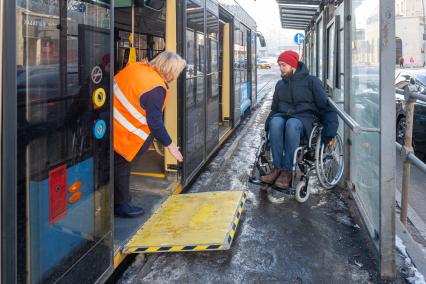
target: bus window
<point>330,55</point>
<point>212,77</point>
<point>320,47</point>
<point>63,141</point>
<point>195,93</point>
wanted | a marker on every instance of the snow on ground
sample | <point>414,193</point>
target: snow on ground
<point>413,275</point>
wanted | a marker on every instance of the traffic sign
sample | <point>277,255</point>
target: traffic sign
<point>82,8</point>
<point>299,38</point>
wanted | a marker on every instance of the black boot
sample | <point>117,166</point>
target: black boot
<point>127,211</point>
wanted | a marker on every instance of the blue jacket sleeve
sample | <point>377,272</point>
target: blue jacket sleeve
<point>326,114</point>
<point>320,97</point>
<point>152,103</point>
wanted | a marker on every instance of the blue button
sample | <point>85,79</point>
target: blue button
<point>99,129</point>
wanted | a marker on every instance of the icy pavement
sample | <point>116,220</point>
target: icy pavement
<point>314,242</point>
<point>410,273</point>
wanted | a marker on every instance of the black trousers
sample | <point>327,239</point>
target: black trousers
<point>122,169</point>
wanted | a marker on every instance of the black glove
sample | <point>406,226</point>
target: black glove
<point>326,139</point>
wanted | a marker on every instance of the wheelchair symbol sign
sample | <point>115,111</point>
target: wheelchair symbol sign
<point>299,38</point>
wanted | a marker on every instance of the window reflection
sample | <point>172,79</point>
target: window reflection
<point>365,104</point>
<point>320,48</point>
<point>314,53</point>
<point>330,54</point>
<point>195,94</point>
<point>241,83</point>
<point>58,45</point>
<point>212,129</point>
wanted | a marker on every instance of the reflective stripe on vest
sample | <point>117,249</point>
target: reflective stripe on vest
<point>123,100</point>
<point>126,124</point>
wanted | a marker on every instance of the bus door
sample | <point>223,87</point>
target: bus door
<point>181,222</point>
<point>224,78</point>
<point>150,184</point>
<point>64,190</point>
<point>148,40</point>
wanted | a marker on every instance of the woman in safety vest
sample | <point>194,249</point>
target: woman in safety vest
<point>140,95</point>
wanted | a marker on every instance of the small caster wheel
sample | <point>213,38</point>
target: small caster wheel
<point>302,191</point>
<point>275,196</point>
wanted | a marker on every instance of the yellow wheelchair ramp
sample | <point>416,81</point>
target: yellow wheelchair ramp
<point>191,222</point>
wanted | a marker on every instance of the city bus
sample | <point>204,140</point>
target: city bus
<point>58,223</point>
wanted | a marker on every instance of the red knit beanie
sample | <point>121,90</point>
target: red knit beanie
<point>289,57</point>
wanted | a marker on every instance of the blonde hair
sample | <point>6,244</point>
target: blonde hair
<point>168,64</point>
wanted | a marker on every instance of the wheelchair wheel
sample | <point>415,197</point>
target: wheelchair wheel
<point>262,164</point>
<point>302,191</point>
<point>329,162</point>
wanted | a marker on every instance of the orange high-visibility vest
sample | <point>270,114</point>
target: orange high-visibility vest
<point>130,126</point>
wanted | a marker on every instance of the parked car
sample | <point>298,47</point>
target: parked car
<point>415,80</point>
<point>263,64</point>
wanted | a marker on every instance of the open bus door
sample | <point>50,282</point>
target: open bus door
<point>187,222</point>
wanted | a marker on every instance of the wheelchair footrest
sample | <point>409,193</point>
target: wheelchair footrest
<point>287,191</point>
<point>255,180</point>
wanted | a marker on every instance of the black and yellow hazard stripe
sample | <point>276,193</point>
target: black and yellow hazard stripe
<point>236,220</point>
<point>204,247</point>
<point>174,249</point>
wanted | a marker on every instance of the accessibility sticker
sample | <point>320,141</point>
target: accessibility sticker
<point>99,129</point>
<point>96,75</point>
<point>99,97</point>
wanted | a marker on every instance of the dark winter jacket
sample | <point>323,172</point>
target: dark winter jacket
<point>302,96</point>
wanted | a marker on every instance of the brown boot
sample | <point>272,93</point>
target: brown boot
<point>283,181</point>
<point>271,177</point>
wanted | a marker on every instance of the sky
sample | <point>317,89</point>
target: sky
<point>266,15</point>
<point>265,12</point>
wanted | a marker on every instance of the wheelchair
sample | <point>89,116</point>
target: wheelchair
<point>311,158</point>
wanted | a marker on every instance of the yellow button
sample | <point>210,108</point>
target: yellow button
<point>99,97</point>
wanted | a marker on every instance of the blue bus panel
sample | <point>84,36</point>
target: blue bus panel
<point>63,96</point>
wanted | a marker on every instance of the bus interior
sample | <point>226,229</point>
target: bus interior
<point>149,183</point>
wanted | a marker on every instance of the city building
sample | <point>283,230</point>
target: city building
<point>410,31</point>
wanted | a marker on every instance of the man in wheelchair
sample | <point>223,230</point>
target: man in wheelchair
<point>299,100</point>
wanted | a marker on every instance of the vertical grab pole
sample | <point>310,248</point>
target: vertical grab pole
<point>408,145</point>
<point>132,51</point>
<point>171,111</point>
<point>133,23</point>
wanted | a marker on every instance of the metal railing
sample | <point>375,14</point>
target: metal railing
<point>406,150</point>
<point>353,125</point>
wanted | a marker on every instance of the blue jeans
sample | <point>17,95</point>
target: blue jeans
<point>284,135</point>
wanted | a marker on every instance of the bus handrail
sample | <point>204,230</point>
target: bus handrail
<point>407,150</point>
<point>406,154</point>
<point>413,95</point>
<point>353,125</point>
